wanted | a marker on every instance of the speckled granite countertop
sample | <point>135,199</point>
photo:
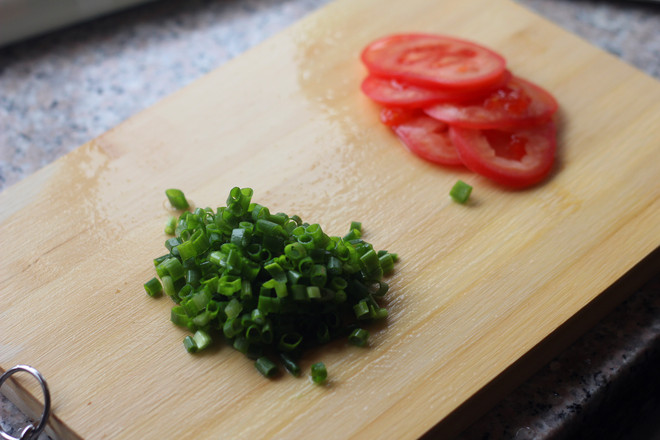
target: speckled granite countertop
<point>63,89</point>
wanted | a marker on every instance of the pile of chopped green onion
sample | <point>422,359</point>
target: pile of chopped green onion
<point>268,284</point>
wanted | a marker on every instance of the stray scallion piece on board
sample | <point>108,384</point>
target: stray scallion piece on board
<point>460,192</point>
<point>319,373</point>
<point>269,285</point>
<point>177,198</point>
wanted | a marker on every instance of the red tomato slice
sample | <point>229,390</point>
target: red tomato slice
<point>395,92</point>
<point>518,104</point>
<point>434,60</point>
<point>428,139</point>
<point>392,116</point>
<point>515,159</point>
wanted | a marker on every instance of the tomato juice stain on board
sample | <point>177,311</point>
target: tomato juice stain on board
<point>97,187</point>
<point>349,139</point>
<point>84,192</point>
<point>91,194</point>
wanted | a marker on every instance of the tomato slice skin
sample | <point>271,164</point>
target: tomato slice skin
<point>428,139</point>
<point>515,159</point>
<point>397,93</point>
<point>520,103</point>
<point>434,61</point>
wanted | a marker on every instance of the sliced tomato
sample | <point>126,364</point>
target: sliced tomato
<point>515,159</point>
<point>519,103</point>
<point>392,116</point>
<point>434,60</point>
<point>395,92</point>
<point>428,139</point>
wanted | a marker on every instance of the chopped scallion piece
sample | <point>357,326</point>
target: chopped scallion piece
<point>265,366</point>
<point>313,292</point>
<point>289,341</point>
<point>190,345</point>
<point>361,310</point>
<point>173,268</point>
<point>170,226</point>
<point>359,337</point>
<point>233,308</point>
<point>460,192</point>
<point>177,198</point>
<point>289,364</point>
<point>319,373</point>
<point>168,286</point>
<point>242,344</point>
<point>179,316</point>
<point>153,287</point>
<point>202,339</point>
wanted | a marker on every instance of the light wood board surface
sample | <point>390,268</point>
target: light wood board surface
<point>477,287</point>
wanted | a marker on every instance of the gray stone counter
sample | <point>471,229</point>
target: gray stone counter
<point>63,89</point>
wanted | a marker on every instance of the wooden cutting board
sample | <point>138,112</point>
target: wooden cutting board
<point>478,287</point>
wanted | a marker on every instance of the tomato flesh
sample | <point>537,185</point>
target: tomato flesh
<point>395,92</point>
<point>519,103</point>
<point>392,116</point>
<point>434,60</point>
<point>428,139</point>
<point>515,159</point>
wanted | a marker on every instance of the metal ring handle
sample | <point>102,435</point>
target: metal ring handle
<point>29,432</point>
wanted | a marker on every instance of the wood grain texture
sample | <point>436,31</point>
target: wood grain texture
<point>477,288</point>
